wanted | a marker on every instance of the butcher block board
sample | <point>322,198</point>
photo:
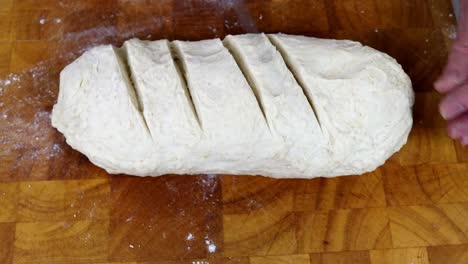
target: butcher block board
<point>57,207</point>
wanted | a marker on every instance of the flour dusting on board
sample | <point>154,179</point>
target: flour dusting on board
<point>33,134</point>
<point>209,183</point>
<point>190,236</point>
<point>210,245</point>
<point>451,32</point>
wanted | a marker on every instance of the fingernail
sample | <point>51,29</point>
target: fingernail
<point>451,110</point>
<point>465,141</point>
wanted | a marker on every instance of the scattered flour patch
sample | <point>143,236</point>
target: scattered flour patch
<point>42,21</point>
<point>15,78</point>
<point>450,32</point>
<point>190,236</point>
<point>56,147</point>
<point>213,29</point>
<point>210,246</point>
<point>209,184</point>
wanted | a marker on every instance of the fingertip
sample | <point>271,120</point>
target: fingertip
<point>439,85</point>
<point>450,107</point>
<point>443,110</point>
<point>458,128</point>
<point>453,132</point>
<point>446,83</point>
<point>464,141</point>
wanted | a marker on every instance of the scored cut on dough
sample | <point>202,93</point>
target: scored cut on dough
<point>287,110</point>
<point>98,112</point>
<point>362,98</point>
<point>165,101</point>
<point>233,125</point>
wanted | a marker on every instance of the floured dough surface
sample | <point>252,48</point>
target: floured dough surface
<point>287,110</point>
<point>98,112</point>
<point>362,98</point>
<point>229,113</point>
<point>280,105</point>
<point>165,102</point>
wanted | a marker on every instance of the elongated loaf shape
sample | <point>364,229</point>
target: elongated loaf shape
<point>275,105</point>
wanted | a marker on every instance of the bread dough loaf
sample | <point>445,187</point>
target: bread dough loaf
<point>283,106</point>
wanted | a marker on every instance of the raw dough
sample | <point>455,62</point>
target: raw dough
<point>236,136</point>
<point>289,114</point>
<point>343,108</point>
<point>98,113</point>
<point>165,102</point>
<point>362,98</point>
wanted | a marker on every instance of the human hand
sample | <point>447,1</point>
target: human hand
<point>454,83</point>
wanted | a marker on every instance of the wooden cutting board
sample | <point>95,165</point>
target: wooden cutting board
<point>56,207</point>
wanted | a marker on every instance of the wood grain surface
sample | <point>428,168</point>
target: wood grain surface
<point>56,207</point>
